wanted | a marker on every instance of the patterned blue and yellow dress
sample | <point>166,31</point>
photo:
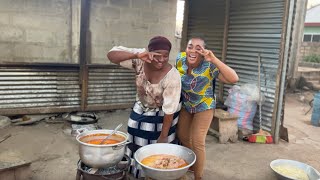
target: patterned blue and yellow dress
<point>197,87</point>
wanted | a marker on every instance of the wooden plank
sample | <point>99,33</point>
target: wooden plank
<point>108,107</point>
<point>184,34</point>
<point>83,51</point>
<point>23,173</point>
<point>4,137</point>
<point>225,45</point>
<point>16,173</point>
<point>274,129</point>
<point>40,110</point>
<point>11,163</point>
<point>224,115</point>
<point>7,175</point>
<point>214,132</point>
<point>84,88</point>
<point>228,130</point>
<point>224,126</point>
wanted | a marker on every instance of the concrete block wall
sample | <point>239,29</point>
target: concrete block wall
<point>35,31</point>
<point>130,23</point>
<point>308,48</point>
<point>48,31</point>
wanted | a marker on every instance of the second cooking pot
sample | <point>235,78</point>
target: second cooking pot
<point>101,156</point>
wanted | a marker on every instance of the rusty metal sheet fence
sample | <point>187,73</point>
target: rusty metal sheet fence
<point>111,86</point>
<point>206,20</point>
<point>255,26</point>
<point>49,89</point>
<point>38,88</point>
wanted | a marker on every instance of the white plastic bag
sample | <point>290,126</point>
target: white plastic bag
<point>242,102</point>
<point>252,91</point>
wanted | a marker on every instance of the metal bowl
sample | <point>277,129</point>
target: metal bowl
<point>164,148</point>
<point>312,173</point>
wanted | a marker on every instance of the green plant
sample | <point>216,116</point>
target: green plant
<point>312,58</point>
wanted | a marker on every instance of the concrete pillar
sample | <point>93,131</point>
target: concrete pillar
<point>75,29</point>
<point>297,34</point>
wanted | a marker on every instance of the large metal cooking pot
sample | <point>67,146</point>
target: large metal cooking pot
<point>101,156</point>
<point>165,148</point>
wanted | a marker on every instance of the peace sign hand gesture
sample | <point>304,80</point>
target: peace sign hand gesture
<point>148,56</point>
<point>207,54</point>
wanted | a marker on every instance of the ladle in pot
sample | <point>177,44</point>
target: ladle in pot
<point>113,132</point>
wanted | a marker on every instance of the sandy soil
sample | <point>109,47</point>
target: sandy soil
<point>55,154</point>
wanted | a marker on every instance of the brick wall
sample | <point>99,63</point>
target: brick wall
<point>48,30</point>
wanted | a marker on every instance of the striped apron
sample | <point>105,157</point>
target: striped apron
<point>144,127</point>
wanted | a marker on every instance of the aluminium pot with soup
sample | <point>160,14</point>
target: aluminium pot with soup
<point>97,155</point>
<point>164,161</point>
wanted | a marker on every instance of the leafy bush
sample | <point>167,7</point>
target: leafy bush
<point>313,58</point>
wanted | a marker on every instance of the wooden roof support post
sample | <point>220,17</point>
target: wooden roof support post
<point>275,124</point>
<point>184,34</point>
<point>225,45</point>
<point>83,52</point>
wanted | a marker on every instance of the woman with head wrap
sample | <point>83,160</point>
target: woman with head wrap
<point>198,68</point>
<point>155,113</point>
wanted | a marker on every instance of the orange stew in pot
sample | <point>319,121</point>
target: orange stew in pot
<point>164,161</point>
<point>114,139</point>
<point>98,141</point>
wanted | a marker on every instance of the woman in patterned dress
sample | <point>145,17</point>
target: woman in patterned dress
<point>155,113</point>
<point>198,67</point>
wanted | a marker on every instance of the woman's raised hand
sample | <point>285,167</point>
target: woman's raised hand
<point>207,54</point>
<point>148,56</point>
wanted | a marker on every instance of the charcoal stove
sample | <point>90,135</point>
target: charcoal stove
<point>117,172</point>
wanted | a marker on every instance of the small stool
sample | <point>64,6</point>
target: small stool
<point>224,126</point>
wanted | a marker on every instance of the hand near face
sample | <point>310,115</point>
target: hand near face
<point>207,54</point>
<point>148,56</point>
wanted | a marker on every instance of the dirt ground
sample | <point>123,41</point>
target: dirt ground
<point>55,154</point>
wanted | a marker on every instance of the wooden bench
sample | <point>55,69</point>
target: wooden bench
<point>224,126</point>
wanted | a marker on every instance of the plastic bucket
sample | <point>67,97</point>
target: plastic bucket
<point>315,118</point>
